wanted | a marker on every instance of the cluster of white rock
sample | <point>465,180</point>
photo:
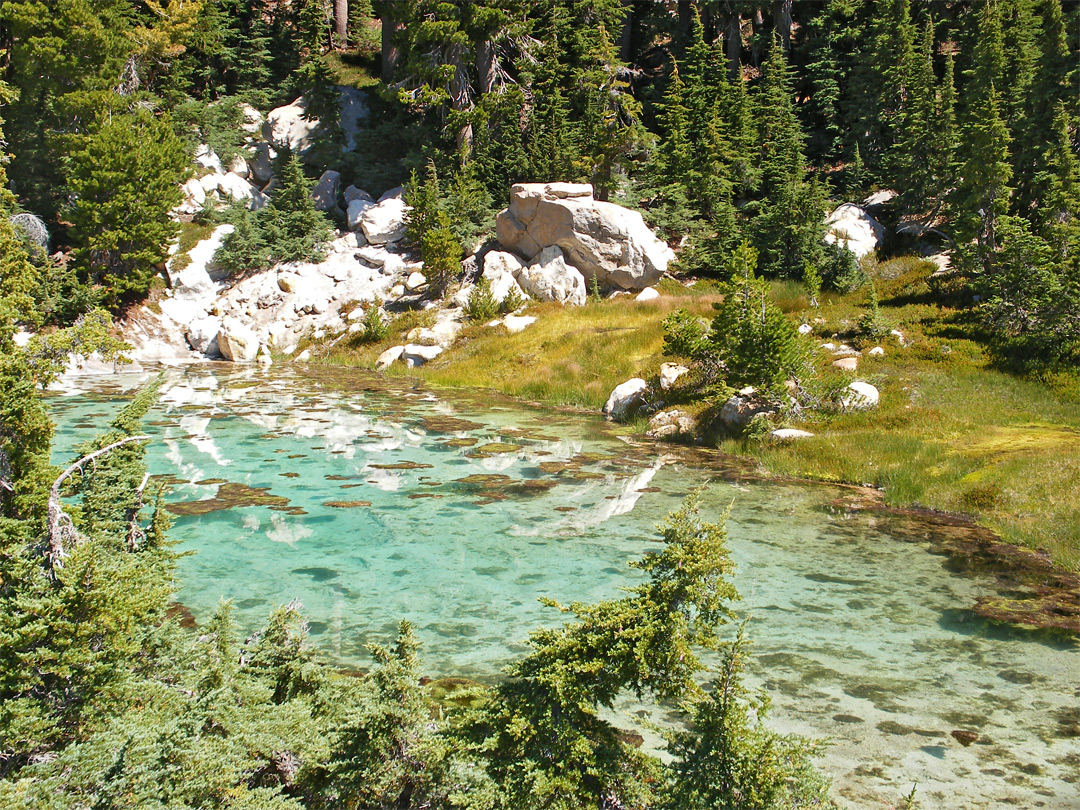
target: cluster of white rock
<point>249,176</point>
<point>208,316</point>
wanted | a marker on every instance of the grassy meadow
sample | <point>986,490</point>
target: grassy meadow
<point>952,431</point>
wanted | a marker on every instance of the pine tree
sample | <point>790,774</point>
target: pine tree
<point>912,165</point>
<point>1057,185</point>
<point>124,182</point>
<point>294,230</point>
<point>982,192</point>
<point>441,252</point>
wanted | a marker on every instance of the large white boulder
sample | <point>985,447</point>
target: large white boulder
<point>384,222</point>
<point>325,193</point>
<point>252,119</point>
<point>237,341</point>
<point>860,395</point>
<point>550,278</point>
<point>852,227</point>
<point>261,163</point>
<point>415,355</point>
<point>626,398</point>
<point>294,128</point>
<point>600,239</point>
<point>194,196</point>
<point>354,215</point>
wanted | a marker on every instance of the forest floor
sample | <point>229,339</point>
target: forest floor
<point>952,432</point>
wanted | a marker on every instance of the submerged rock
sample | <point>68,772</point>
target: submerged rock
<point>673,424</point>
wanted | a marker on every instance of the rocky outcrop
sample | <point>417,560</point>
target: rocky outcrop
<point>852,227</point>
<point>599,239</point>
<point>550,278</point>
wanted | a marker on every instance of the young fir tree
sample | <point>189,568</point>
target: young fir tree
<point>913,168</point>
<point>982,192</point>
<point>788,227</point>
<point>294,230</point>
<point>125,181</point>
<point>441,251</point>
<point>1057,185</point>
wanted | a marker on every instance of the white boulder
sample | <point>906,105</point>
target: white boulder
<point>626,398</point>
<point>669,373</point>
<point>517,323</point>
<point>292,127</point>
<point>252,119</point>
<point>415,355</point>
<point>385,222</point>
<point>787,434</point>
<point>598,238</point>
<point>860,395</point>
<point>648,294</point>
<point>847,363</point>
<point>805,329</point>
<point>415,281</point>
<point>389,357</point>
<point>852,227</point>
<point>550,278</point>
<point>237,341</point>
<point>355,213</point>
<point>877,351</point>
<point>207,158</point>
<point>239,166</point>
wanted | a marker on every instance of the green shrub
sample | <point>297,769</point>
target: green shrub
<point>513,301</point>
<point>375,326</point>
<point>482,305</point>
<point>873,323</point>
<point>441,252</point>
<point>245,248</point>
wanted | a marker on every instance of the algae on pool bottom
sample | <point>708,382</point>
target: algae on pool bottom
<point>370,501</point>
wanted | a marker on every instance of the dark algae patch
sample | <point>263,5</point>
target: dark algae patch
<point>229,495</point>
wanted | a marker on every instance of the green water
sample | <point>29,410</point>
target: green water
<point>459,512</point>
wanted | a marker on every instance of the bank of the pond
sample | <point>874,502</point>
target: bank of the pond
<point>952,433</point>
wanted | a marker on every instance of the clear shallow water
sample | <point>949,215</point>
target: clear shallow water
<point>377,501</point>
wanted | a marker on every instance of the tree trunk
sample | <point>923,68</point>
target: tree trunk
<point>733,45</point>
<point>782,21</point>
<point>341,24</point>
<point>485,66</point>
<point>685,10</point>
<point>626,36</point>
<point>390,51</point>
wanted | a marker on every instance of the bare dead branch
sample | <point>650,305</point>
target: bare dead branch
<point>61,528</point>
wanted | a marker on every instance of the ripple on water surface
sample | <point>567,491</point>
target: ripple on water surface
<point>372,500</point>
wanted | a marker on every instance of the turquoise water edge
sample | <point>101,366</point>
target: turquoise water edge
<point>371,500</point>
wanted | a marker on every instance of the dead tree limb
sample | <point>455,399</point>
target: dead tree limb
<point>61,527</point>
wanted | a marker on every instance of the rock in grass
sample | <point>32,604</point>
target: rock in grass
<point>737,412</point>
<point>626,399</point>
<point>877,351</point>
<point>669,373</point>
<point>517,323</point>
<point>805,329</point>
<point>673,424</point>
<point>786,434</point>
<point>861,395</point>
<point>389,357</point>
<point>415,355</point>
<point>648,294</point>
<point>847,363</point>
